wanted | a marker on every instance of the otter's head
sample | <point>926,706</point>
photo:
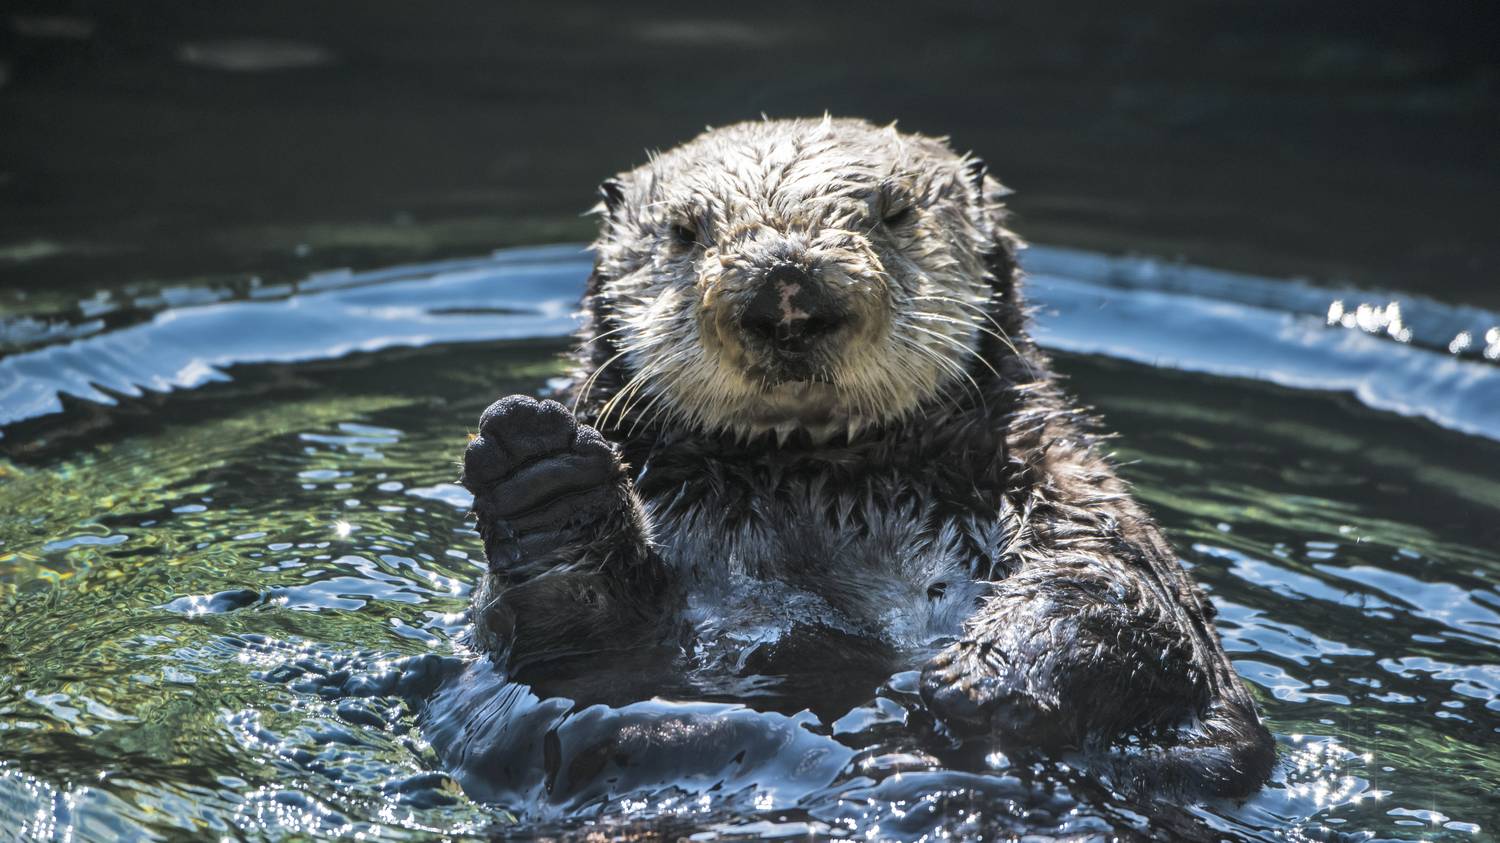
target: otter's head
<point>817,275</point>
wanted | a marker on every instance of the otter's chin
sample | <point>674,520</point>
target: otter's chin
<point>811,407</point>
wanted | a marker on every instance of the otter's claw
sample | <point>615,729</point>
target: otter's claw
<point>539,479</point>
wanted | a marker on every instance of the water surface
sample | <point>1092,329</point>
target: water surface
<point>234,569</point>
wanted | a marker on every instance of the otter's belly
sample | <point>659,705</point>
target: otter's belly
<point>887,571</point>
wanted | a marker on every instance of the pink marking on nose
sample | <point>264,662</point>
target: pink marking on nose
<point>789,313</point>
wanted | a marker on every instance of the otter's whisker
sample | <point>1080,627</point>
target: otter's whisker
<point>645,416</point>
<point>917,378</point>
<point>1003,336</point>
<point>963,349</point>
<point>949,320</point>
<point>948,365</point>
<point>952,366</point>
<point>588,384</point>
<point>641,393</point>
<point>611,332</point>
<point>636,389</point>
<point>617,400</point>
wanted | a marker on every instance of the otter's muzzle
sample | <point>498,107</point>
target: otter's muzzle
<point>791,313</point>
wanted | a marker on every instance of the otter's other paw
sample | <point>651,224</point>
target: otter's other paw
<point>973,689</point>
<point>540,481</point>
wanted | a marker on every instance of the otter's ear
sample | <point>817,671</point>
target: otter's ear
<point>975,170</point>
<point>611,197</point>
<point>978,174</point>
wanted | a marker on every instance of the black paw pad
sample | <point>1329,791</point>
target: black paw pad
<point>538,477</point>
<point>524,426</point>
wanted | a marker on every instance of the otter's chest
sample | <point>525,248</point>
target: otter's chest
<point>885,558</point>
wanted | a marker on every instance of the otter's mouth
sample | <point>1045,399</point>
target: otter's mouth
<point>791,369</point>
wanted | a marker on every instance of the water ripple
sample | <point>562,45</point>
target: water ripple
<point>1179,317</point>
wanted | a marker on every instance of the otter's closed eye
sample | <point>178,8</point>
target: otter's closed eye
<point>684,236</point>
<point>898,216</point>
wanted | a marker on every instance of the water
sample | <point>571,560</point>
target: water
<point>234,570</point>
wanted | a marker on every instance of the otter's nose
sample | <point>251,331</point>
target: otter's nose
<point>789,312</point>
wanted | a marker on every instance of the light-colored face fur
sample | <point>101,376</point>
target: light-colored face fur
<point>882,233</point>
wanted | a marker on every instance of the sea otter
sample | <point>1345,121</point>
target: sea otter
<point>807,410</point>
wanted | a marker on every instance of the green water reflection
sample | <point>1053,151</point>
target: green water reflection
<point>1351,555</point>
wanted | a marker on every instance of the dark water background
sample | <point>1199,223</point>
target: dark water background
<point>161,139</point>
<point>232,564</point>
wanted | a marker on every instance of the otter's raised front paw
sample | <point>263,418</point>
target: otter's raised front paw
<point>540,480</point>
<point>972,689</point>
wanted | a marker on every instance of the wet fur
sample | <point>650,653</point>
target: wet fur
<point>941,494</point>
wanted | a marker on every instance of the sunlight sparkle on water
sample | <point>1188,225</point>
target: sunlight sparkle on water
<point>1372,319</point>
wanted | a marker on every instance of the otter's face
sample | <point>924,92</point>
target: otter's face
<point>795,275</point>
